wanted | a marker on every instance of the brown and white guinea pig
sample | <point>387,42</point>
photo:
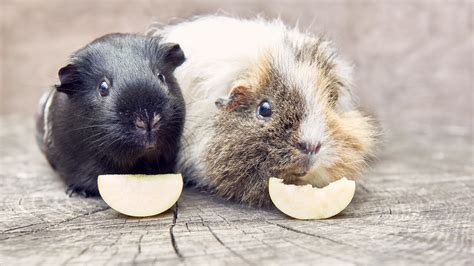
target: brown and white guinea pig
<point>118,109</point>
<point>264,100</point>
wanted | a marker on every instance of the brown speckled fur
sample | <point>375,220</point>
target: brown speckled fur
<point>247,151</point>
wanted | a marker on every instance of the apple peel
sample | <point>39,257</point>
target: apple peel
<point>140,195</point>
<point>308,202</point>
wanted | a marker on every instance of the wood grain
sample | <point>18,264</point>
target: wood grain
<point>410,209</point>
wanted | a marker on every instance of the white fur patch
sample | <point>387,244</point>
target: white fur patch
<point>219,51</point>
<point>301,76</point>
<point>47,123</point>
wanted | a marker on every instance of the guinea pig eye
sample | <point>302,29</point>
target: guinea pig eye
<point>264,110</point>
<point>104,88</point>
<point>161,77</point>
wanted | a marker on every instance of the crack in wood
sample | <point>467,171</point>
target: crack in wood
<point>363,187</point>
<point>187,226</point>
<point>227,247</point>
<point>139,248</point>
<point>173,240</point>
<point>309,234</point>
<point>223,218</point>
<point>201,219</point>
<point>114,243</point>
<point>12,230</point>
<point>317,252</point>
<point>19,227</point>
<point>82,215</point>
<point>77,256</point>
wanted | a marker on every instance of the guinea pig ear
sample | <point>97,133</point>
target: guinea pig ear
<point>173,54</point>
<point>68,76</point>
<point>238,97</point>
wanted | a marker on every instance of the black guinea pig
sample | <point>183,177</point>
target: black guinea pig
<point>117,110</point>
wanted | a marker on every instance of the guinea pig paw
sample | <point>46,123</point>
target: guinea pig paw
<point>72,191</point>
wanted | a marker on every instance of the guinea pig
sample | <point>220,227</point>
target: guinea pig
<point>265,100</point>
<point>117,110</point>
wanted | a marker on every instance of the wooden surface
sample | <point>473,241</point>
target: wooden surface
<point>414,71</point>
<point>414,207</point>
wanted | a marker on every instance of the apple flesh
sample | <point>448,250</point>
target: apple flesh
<point>307,202</point>
<point>140,195</point>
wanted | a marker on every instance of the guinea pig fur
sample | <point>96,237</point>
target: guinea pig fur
<point>117,110</point>
<point>265,100</point>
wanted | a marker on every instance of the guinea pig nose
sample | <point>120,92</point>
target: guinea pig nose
<point>309,148</point>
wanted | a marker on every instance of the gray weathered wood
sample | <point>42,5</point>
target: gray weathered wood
<point>411,208</point>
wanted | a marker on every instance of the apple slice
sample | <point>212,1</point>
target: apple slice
<point>140,195</point>
<point>307,202</point>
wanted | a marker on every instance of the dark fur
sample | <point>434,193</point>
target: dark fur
<point>93,135</point>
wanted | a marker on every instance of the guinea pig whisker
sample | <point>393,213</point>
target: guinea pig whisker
<point>97,141</point>
<point>92,121</point>
<point>89,119</point>
<point>103,143</point>
<point>94,135</point>
<point>87,127</point>
<point>356,163</point>
<point>102,138</point>
<point>110,144</point>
